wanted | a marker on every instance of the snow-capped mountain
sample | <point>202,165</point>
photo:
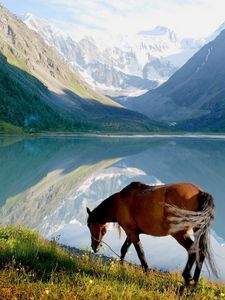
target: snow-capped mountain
<point>124,64</point>
<point>193,99</point>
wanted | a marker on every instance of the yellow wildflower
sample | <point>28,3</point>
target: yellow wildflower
<point>46,291</point>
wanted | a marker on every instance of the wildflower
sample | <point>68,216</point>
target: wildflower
<point>91,281</point>
<point>46,291</point>
<point>222,294</point>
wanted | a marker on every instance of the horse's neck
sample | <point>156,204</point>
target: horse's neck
<point>106,211</point>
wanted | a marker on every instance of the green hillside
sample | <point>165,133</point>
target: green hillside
<point>24,108</point>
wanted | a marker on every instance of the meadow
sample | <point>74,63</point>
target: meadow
<point>34,268</point>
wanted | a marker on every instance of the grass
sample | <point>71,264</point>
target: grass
<point>33,268</point>
<point>8,128</point>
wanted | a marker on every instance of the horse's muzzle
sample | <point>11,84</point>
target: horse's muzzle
<point>95,249</point>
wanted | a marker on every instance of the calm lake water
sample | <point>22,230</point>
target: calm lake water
<point>47,182</point>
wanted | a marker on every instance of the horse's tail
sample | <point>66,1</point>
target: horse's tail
<point>200,221</point>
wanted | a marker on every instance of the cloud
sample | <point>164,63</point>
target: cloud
<point>187,17</point>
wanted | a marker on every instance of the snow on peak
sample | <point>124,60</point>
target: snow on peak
<point>190,43</point>
<point>31,21</point>
<point>159,31</point>
<point>42,26</point>
<point>216,32</point>
<point>111,62</point>
<point>221,28</point>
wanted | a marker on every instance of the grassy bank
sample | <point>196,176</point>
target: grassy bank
<point>8,128</point>
<point>32,268</point>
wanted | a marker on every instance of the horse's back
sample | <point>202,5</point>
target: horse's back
<point>145,206</point>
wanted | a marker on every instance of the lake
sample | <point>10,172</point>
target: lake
<point>47,182</point>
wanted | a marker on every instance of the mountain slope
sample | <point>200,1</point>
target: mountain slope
<point>38,70</point>
<point>196,91</point>
<point>22,104</point>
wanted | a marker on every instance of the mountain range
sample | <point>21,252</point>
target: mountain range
<point>40,91</point>
<point>124,65</point>
<point>42,74</point>
<point>194,97</point>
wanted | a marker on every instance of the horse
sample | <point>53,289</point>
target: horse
<point>163,210</point>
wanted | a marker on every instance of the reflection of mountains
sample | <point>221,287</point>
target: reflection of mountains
<point>27,162</point>
<point>39,175</point>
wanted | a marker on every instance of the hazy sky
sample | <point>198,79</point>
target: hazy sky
<point>194,18</point>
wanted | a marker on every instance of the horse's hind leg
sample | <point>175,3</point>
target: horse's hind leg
<point>200,261</point>
<point>124,249</point>
<point>186,273</point>
<point>184,240</point>
<point>198,267</point>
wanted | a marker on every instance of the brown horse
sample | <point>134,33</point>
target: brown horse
<point>159,211</point>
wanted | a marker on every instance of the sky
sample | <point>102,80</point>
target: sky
<point>188,18</point>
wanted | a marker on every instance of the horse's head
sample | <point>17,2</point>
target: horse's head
<point>97,231</point>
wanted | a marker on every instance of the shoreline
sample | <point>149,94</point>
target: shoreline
<point>118,135</point>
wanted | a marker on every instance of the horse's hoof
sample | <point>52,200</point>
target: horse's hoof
<point>187,279</point>
<point>145,269</point>
<point>191,283</point>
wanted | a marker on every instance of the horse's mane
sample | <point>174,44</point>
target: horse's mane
<point>105,206</point>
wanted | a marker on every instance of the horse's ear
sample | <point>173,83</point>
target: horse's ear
<point>88,211</point>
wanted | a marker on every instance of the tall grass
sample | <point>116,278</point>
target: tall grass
<point>33,268</point>
<point>21,247</point>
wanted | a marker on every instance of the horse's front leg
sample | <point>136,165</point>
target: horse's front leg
<point>124,249</point>
<point>133,237</point>
<point>140,252</point>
